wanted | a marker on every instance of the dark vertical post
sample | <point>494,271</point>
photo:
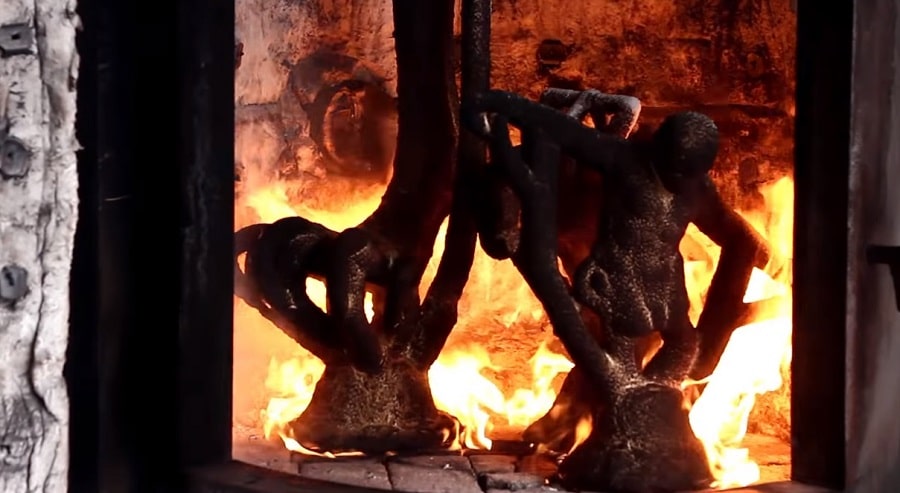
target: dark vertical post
<point>82,368</point>
<point>126,272</point>
<point>149,369</point>
<point>824,41</point>
<point>206,156</point>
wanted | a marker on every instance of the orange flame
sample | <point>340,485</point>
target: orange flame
<point>497,295</point>
<point>756,354</point>
<point>459,388</point>
<point>461,378</point>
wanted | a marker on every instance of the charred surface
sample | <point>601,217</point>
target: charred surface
<point>632,278</point>
<point>391,410</point>
<point>642,442</point>
<point>439,308</point>
<point>580,208</point>
<point>374,395</point>
<point>279,257</point>
<point>418,197</point>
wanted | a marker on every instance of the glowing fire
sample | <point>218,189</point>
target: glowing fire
<point>461,385</point>
<point>496,295</point>
<point>460,388</point>
<point>752,362</point>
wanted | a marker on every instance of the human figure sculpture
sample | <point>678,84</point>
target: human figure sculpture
<point>634,276</point>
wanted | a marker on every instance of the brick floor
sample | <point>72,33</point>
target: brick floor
<point>444,462</point>
<point>365,473</point>
<point>540,465</point>
<point>510,481</point>
<point>539,489</point>
<point>484,464</point>
<point>433,474</point>
<point>448,472</point>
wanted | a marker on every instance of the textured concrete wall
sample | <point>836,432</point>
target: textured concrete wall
<point>38,214</point>
<point>733,60</point>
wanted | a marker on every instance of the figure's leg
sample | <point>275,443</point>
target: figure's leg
<point>641,439</point>
<point>621,306</point>
<point>624,350</point>
<point>675,358</point>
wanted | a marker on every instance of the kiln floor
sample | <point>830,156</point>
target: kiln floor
<point>476,472</point>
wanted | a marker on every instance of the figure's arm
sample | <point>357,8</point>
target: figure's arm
<point>742,249</point>
<point>625,110</point>
<point>727,228</point>
<point>578,102</point>
<point>559,98</point>
<point>586,145</point>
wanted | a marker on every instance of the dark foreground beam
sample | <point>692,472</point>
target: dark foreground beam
<point>825,37</point>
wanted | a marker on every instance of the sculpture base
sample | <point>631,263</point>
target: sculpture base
<point>641,443</point>
<point>388,412</point>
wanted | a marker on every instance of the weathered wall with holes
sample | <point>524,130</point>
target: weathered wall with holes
<point>273,133</point>
<point>873,317</point>
<point>38,212</point>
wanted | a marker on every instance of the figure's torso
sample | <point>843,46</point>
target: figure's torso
<point>638,240</point>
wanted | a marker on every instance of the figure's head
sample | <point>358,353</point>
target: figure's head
<point>685,146</point>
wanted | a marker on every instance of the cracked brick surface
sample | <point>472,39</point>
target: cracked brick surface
<point>365,473</point>
<point>485,464</point>
<point>433,474</point>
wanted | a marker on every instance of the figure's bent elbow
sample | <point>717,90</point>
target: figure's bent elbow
<point>524,112</point>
